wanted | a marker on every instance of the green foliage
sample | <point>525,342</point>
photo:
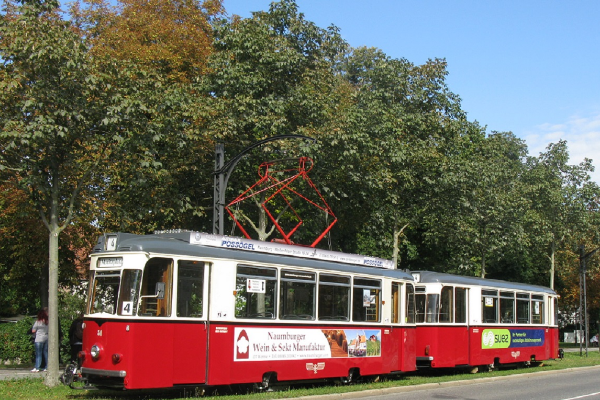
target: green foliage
<point>72,304</point>
<point>15,342</point>
<point>271,74</point>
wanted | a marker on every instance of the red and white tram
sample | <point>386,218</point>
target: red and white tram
<point>187,308</point>
<point>471,322</point>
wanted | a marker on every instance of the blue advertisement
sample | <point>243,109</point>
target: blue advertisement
<point>526,337</point>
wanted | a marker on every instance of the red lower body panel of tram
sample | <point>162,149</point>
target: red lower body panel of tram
<point>251,354</point>
<point>162,354</point>
<point>456,346</point>
<point>144,354</point>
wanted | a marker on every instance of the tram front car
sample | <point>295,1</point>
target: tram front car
<point>129,330</point>
<point>148,321</point>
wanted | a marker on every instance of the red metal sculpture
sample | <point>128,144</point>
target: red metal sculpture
<point>285,189</point>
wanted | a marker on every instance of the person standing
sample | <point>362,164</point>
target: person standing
<point>40,328</point>
<point>76,337</point>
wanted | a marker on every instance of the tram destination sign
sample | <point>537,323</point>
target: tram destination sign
<point>206,239</point>
<point>110,262</point>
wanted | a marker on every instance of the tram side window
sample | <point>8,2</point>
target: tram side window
<point>366,300</point>
<point>507,307</point>
<point>334,297</point>
<point>104,292</point>
<point>420,299</point>
<point>446,305</point>
<point>523,308</point>
<point>410,304</point>
<point>190,288</point>
<point>537,309</point>
<point>460,305</point>
<point>489,306</point>
<point>395,302</point>
<point>130,288</point>
<point>156,288</point>
<point>255,292</point>
<point>297,295</point>
<point>432,311</point>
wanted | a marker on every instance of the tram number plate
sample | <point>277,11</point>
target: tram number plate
<point>127,308</point>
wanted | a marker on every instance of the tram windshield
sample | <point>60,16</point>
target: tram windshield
<point>104,292</point>
<point>149,292</point>
<point>114,292</point>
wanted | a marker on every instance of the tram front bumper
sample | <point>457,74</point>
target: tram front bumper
<point>104,378</point>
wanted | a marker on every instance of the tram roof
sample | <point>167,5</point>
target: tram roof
<point>440,277</point>
<point>182,243</point>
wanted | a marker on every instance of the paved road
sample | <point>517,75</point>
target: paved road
<point>573,384</point>
<point>577,349</point>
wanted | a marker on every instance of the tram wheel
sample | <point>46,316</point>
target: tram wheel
<point>353,374</point>
<point>535,364</point>
<point>268,380</point>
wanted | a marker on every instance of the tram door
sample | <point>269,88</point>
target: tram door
<point>396,355</point>
<point>190,331</point>
<point>461,332</point>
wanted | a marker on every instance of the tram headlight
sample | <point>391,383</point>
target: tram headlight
<point>95,352</point>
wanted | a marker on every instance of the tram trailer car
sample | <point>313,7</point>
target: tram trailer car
<point>472,322</point>
<point>187,308</point>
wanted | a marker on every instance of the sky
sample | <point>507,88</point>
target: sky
<point>531,67</point>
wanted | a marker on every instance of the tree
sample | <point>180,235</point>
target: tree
<point>484,180</point>
<point>62,120</point>
<point>270,75</point>
<point>22,252</point>
<point>171,37</point>
<point>387,153</point>
<point>563,200</point>
<point>163,182</point>
<point>43,138</point>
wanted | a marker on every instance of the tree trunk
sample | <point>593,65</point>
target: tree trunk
<point>396,249</point>
<point>44,286</point>
<point>53,327</point>
<point>552,251</point>
<point>262,220</point>
<point>483,264</point>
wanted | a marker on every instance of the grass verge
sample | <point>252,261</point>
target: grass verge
<point>33,388</point>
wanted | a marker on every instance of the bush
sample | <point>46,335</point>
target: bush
<point>72,303</point>
<point>15,343</point>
